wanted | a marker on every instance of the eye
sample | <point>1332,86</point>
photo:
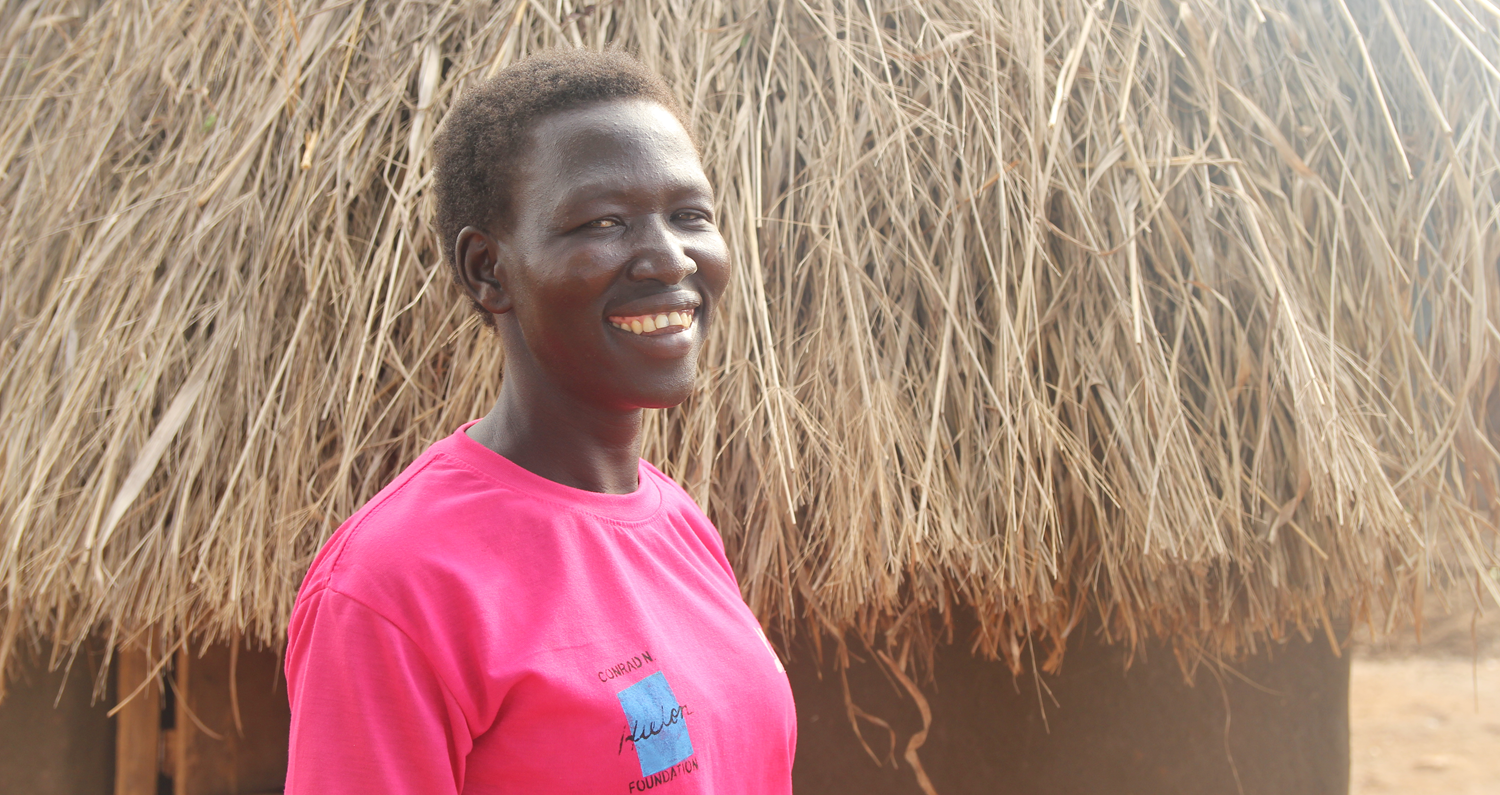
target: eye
<point>601,223</point>
<point>692,216</point>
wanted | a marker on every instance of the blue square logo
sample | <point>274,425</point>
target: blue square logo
<point>657,724</point>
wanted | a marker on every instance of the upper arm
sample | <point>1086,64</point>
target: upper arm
<point>369,713</point>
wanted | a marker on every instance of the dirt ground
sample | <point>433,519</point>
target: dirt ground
<point>1425,717</point>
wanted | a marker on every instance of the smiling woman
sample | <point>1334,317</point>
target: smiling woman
<point>464,630</point>
<point>612,226</point>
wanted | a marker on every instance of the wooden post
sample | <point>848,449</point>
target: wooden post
<point>138,724</point>
<point>232,722</point>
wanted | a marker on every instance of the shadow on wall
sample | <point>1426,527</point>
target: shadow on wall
<point>1277,724</point>
<point>68,749</point>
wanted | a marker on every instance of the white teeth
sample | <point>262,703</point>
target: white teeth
<point>646,324</point>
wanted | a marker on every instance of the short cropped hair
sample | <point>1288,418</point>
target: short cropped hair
<point>487,133</point>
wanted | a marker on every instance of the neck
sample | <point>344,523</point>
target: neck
<point>557,437</point>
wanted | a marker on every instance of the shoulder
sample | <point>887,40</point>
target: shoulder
<point>673,495</point>
<point>417,533</point>
<point>681,506</point>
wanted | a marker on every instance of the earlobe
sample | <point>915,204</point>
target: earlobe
<point>480,266</point>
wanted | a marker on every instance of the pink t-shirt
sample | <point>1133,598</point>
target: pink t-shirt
<point>476,628</point>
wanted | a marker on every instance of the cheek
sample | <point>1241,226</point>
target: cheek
<point>715,268</point>
<point>567,295</point>
<point>555,325</point>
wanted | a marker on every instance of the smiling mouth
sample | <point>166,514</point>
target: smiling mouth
<point>666,323</point>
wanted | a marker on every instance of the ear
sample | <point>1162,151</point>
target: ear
<point>479,257</point>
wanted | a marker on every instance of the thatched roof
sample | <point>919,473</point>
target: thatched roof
<point>1185,314</point>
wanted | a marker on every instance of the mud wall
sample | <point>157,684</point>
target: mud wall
<point>1275,724</point>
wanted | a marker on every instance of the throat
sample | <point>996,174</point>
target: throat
<point>595,454</point>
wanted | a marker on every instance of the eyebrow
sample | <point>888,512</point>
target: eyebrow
<point>595,192</point>
<point>610,190</point>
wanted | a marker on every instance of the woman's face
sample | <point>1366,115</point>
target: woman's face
<point>612,267</point>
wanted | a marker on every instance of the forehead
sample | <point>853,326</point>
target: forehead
<point>612,145</point>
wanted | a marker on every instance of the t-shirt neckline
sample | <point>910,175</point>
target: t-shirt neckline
<point>638,504</point>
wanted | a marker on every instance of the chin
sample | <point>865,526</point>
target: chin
<point>664,400</point>
<point>663,395</point>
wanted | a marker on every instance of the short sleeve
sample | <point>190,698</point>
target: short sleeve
<point>369,714</point>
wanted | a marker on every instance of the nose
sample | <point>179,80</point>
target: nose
<point>660,253</point>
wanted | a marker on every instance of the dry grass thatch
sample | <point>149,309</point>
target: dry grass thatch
<point>1181,313</point>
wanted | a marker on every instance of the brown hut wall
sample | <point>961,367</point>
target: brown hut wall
<point>55,736</point>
